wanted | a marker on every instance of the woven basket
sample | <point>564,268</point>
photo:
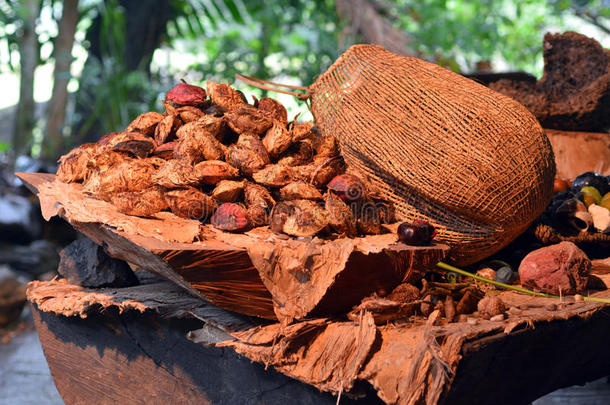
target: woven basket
<point>443,148</point>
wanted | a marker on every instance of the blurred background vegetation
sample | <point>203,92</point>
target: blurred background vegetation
<point>73,70</point>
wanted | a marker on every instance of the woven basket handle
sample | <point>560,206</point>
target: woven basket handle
<point>261,84</point>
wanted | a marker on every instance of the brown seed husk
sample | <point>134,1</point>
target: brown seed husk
<point>450,310</point>
<point>246,160</point>
<point>299,218</point>
<point>248,120</point>
<point>189,113</point>
<point>257,215</point>
<point>301,130</point>
<point>166,128</point>
<point>105,159</point>
<point>124,175</point>
<point>196,144</point>
<point>229,191</point>
<point>277,140</point>
<point>298,154</point>
<point>321,171</point>
<point>145,123</point>
<point>299,190</point>
<point>340,216</point>
<point>367,217</point>
<point>112,139</point>
<point>274,108</point>
<point>254,143</point>
<point>142,203</point>
<point>166,151</point>
<point>176,173</point>
<point>274,175</point>
<point>224,96</point>
<point>326,146</point>
<point>255,194</point>
<point>169,108</point>
<point>190,203</point>
<point>73,165</point>
<point>136,147</point>
<point>213,171</point>
<point>387,212</point>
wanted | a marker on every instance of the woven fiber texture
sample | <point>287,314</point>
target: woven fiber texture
<point>473,162</point>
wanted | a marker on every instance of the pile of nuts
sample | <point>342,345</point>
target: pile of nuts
<point>213,156</point>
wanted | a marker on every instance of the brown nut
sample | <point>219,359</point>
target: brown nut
<point>340,216</point>
<point>274,108</point>
<point>229,191</point>
<point>109,141</point>
<point>196,144</point>
<point>137,147</point>
<point>124,175</point>
<point>491,305</point>
<point>320,172</point>
<point>248,120</point>
<point>299,190</point>
<point>166,129</point>
<point>166,151</point>
<point>213,171</point>
<point>326,146</point>
<point>255,194</point>
<point>142,203</point>
<point>73,165</point>
<point>145,123</point>
<point>302,130</point>
<point>273,176</point>
<point>367,217</point>
<point>224,96</point>
<point>347,187</point>
<point>176,173</point>
<point>190,203</point>
<point>298,154</point>
<point>230,217</point>
<point>277,140</point>
<point>189,114</point>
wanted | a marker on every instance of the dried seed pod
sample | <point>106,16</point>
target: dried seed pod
<point>248,120</point>
<point>125,175</point>
<point>326,146</point>
<point>186,94</point>
<point>229,191</point>
<point>254,143</point>
<point>301,130</point>
<point>105,159</point>
<point>176,173</point>
<point>145,123</point>
<point>215,110</point>
<point>142,203</point>
<point>298,154</point>
<point>367,216</point>
<point>277,140</point>
<point>230,217</point>
<point>491,305</point>
<point>299,190</point>
<point>169,109</point>
<point>166,151</point>
<point>196,145</point>
<point>299,218</point>
<point>213,125</point>
<point>340,216</point>
<point>255,194</point>
<point>112,139</point>
<point>190,203</point>
<point>246,160</point>
<point>224,96</point>
<point>73,165</point>
<point>320,172</point>
<point>213,171</point>
<point>189,114</point>
<point>257,215</point>
<point>347,187</point>
<point>166,128</point>
<point>275,109</point>
<point>387,211</point>
<point>273,176</point>
<point>136,147</point>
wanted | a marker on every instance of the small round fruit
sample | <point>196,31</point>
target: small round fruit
<point>230,217</point>
<point>605,201</point>
<point>504,275</point>
<point>590,195</point>
<point>590,179</point>
<point>560,184</point>
<point>417,233</point>
<point>186,94</point>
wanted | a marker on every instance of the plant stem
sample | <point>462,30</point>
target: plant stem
<point>449,267</point>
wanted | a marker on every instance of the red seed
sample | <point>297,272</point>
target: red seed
<point>347,187</point>
<point>186,94</point>
<point>230,217</point>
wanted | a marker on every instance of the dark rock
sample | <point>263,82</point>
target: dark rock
<point>85,263</point>
<point>558,269</point>
<point>12,296</point>
<point>17,222</point>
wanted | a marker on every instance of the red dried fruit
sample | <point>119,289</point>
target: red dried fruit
<point>213,171</point>
<point>142,203</point>
<point>166,128</point>
<point>347,187</point>
<point>228,191</point>
<point>73,165</point>
<point>299,190</point>
<point>224,96</point>
<point>166,151</point>
<point>275,109</point>
<point>340,216</point>
<point>416,233</point>
<point>145,123</point>
<point>273,176</point>
<point>186,94</point>
<point>230,217</point>
<point>136,147</point>
<point>248,120</point>
<point>277,140</point>
<point>190,203</point>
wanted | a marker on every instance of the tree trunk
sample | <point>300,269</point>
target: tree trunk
<point>53,142</point>
<point>25,119</point>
